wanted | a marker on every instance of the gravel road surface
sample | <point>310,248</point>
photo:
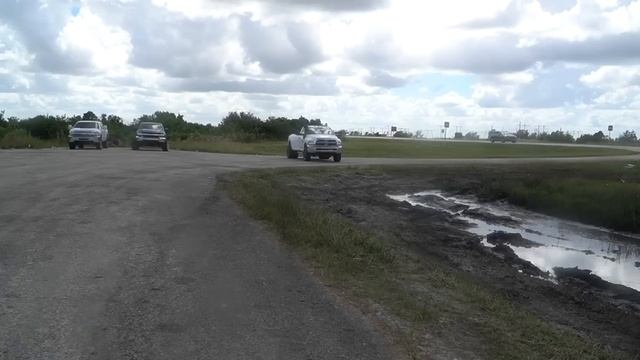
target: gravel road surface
<point>121,254</point>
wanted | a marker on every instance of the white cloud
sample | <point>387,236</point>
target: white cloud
<point>358,63</point>
<point>87,34</point>
<point>612,77</point>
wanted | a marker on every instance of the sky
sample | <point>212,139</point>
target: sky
<point>368,65</point>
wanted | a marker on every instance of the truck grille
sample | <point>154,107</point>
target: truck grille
<point>326,142</point>
<point>84,134</point>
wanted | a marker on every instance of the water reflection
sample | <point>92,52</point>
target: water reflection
<point>608,254</point>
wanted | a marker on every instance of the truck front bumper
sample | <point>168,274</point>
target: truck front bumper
<point>314,149</point>
<point>85,140</point>
<point>150,141</point>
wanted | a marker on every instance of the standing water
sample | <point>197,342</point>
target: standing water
<point>611,255</point>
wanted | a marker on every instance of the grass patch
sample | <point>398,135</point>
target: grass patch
<point>452,150</point>
<point>20,139</point>
<point>402,148</point>
<point>424,294</point>
<point>227,146</point>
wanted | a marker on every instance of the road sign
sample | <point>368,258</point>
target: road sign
<point>394,128</point>
<point>610,127</point>
<point>446,124</point>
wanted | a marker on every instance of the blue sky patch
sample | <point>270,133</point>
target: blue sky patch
<point>75,8</point>
<point>434,84</point>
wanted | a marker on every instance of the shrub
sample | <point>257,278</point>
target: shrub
<point>19,139</point>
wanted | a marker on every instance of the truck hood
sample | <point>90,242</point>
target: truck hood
<point>150,132</point>
<point>84,131</point>
<point>322,137</point>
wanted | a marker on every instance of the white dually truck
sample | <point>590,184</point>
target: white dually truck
<point>317,141</point>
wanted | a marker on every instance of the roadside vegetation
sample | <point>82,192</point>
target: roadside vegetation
<point>20,139</point>
<point>242,128</point>
<point>245,133</point>
<point>420,298</point>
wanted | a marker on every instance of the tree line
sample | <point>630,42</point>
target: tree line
<point>628,137</point>
<point>238,126</point>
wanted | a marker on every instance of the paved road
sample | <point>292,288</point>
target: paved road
<point>118,254</point>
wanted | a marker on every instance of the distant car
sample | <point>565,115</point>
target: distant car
<point>87,132</point>
<point>317,141</point>
<point>502,137</point>
<point>150,134</point>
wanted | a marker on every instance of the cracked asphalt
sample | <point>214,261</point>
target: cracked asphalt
<point>117,254</point>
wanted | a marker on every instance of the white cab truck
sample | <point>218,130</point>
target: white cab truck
<point>87,132</point>
<point>317,141</point>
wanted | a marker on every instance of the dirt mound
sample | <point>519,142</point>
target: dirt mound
<point>593,283</point>
<point>515,239</point>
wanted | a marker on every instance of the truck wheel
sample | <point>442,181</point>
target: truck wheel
<point>290,153</point>
<point>165,147</point>
<point>99,145</point>
<point>305,154</point>
<point>337,157</point>
<point>105,144</point>
<point>134,146</point>
<point>72,146</point>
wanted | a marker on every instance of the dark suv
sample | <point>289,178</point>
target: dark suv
<point>150,134</point>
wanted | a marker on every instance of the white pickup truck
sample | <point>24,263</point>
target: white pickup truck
<point>317,141</point>
<point>87,132</point>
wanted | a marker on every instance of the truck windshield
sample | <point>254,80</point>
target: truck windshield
<point>86,125</point>
<point>319,130</point>
<point>151,126</point>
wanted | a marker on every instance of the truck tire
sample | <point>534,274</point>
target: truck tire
<point>134,146</point>
<point>337,157</point>
<point>165,147</point>
<point>105,144</point>
<point>99,145</point>
<point>72,146</point>
<point>290,153</point>
<point>305,154</point>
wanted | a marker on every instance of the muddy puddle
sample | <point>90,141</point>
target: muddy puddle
<point>545,241</point>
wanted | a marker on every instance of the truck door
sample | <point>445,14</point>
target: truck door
<point>298,141</point>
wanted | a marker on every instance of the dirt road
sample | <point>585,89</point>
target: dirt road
<point>118,254</point>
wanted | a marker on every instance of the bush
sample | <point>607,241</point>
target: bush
<point>628,137</point>
<point>557,137</point>
<point>20,139</point>
<point>402,134</point>
<point>598,137</point>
